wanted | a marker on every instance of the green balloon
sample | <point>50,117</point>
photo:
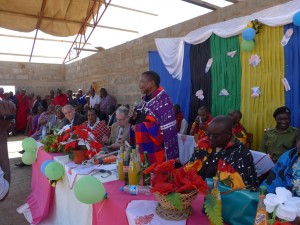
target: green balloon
<point>54,171</point>
<point>29,144</point>
<point>28,157</point>
<point>247,46</point>
<point>89,190</point>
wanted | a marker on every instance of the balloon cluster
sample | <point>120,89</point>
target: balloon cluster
<point>87,189</point>
<point>296,19</point>
<point>52,170</point>
<point>29,145</point>
<point>248,42</point>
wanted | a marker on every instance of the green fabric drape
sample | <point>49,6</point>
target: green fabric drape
<point>226,74</point>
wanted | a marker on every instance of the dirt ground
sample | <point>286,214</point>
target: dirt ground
<point>20,186</point>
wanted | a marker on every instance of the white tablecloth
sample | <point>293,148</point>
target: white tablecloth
<point>67,210</point>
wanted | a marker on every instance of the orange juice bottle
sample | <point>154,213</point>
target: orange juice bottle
<point>132,172</point>
<point>120,167</point>
<point>261,217</point>
<point>216,192</point>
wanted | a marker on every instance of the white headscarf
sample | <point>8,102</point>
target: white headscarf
<point>4,185</point>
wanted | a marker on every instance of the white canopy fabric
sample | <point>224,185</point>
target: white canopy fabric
<point>171,50</point>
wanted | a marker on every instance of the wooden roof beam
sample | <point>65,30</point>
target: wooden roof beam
<point>69,21</point>
<point>38,24</point>
<point>203,4</point>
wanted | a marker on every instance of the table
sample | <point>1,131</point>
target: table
<point>117,203</point>
<point>60,206</point>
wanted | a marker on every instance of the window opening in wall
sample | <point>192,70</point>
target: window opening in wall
<point>8,88</point>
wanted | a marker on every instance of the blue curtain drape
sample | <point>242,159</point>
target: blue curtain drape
<point>292,74</point>
<point>179,90</point>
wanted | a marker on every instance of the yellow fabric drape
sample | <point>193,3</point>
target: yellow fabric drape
<point>258,112</point>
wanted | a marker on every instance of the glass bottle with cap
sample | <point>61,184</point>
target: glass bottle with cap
<point>261,217</point>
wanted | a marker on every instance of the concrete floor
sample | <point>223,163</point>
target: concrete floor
<point>20,186</point>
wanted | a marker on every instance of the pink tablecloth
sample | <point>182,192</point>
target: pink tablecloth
<point>41,196</point>
<point>113,209</point>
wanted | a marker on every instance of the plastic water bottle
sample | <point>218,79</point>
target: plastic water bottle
<point>136,189</point>
<point>44,131</point>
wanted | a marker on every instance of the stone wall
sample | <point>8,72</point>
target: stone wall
<point>118,69</point>
<point>33,77</point>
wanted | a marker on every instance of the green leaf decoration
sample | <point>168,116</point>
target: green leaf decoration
<point>213,210</point>
<point>175,200</point>
<point>228,181</point>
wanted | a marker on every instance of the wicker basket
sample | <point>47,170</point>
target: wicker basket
<point>167,211</point>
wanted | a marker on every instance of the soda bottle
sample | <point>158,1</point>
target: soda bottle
<point>132,172</point>
<point>135,189</point>
<point>126,166</point>
<point>216,192</point>
<point>146,177</point>
<point>261,217</point>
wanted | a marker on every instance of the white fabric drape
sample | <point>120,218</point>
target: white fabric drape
<point>171,50</point>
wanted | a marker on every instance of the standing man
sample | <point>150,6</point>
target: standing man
<point>94,99</point>
<point>278,140</point>
<point>72,101</point>
<point>7,112</point>
<point>60,98</point>
<point>106,101</point>
<point>154,121</point>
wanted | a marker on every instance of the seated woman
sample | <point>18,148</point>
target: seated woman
<point>221,154</point>
<point>286,172</point>
<point>99,128</point>
<point>35,120</point>
<point>43,120</point>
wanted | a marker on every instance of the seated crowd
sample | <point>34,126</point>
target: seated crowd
<point>221,142</point>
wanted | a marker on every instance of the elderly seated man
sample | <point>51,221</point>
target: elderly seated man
<point>99,128</point>
<point>119,130</point>
<point>221,154</point>
<point>74,118</point>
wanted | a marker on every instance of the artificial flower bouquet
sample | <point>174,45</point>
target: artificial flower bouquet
<point>175,189</point>
<point>73,138</point>
<point>52,143</point>
<point>79,138</point>
<point>283,207</point>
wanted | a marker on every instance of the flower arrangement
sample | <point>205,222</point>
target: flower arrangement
<point>72,138</point>
<point>172,183</point>
<point>79,138</point>
<point>282,206</point>
<point>52,143</point>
